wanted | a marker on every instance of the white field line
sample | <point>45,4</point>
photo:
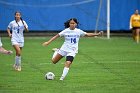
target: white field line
<point>98,62</point>
<point>127,61</point>
<point>117,61</point>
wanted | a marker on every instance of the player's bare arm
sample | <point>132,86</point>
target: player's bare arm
<point>52,39</point>
<point>9,33</point>
<point>26,29</point>
<point>94,34</point>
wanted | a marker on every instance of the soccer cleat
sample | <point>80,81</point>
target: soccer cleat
<point>61,78</point>
<point>14,66</point>
<point>19,68</point>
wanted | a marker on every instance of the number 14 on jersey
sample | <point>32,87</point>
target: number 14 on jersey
<point>73,40</point>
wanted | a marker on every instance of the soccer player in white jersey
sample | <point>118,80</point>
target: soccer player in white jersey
<point>69,49</point>
<point>3,50</point>
<point>17,27</point>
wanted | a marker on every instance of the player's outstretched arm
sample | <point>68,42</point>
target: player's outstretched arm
<point>52,39</point>
<point>94,34</point>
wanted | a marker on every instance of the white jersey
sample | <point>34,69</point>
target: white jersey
<point>71,39</point>
<point>0,42</point>
<point>17,30</point>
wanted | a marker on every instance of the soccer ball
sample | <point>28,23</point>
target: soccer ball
<point>49,76</point>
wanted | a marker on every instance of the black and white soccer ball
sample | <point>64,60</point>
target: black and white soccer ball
<point>49,76</point>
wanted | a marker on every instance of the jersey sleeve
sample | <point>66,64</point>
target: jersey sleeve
<point>10,25</point>
<point>62,33</point>
<point>130,22</point>
<point>82,33</point>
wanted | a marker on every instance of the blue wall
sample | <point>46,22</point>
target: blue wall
<point>46,15</point>
<point>121,10</point>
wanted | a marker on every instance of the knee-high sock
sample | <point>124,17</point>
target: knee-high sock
<point>18,60</point>
<point>65,72</point>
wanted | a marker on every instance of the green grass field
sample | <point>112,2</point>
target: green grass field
<point>101,66</point>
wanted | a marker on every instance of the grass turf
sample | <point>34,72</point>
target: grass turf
<point>101,66</point>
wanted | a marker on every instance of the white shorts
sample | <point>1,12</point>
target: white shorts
<point>21,44</point>
<point>64,53</point>
<point>0,43</point>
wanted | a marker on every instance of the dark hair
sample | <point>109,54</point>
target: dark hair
<point>66,24</point>
<point>17,12</point>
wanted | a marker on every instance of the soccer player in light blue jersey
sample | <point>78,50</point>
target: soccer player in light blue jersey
<point>17,27</point>
<point>69,49</point>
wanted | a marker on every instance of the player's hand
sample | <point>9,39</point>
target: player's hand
<point>45,44</point>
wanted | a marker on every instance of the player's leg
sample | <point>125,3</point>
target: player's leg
<point>17,64</point>
<point>69,60</point>
<point>58,54</point>
<point>56,58</point>
<point>134,34</point>
<point>137,35</point>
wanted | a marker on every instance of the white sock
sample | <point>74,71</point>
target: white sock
<point>65,72</point>
<point>18,60</point>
